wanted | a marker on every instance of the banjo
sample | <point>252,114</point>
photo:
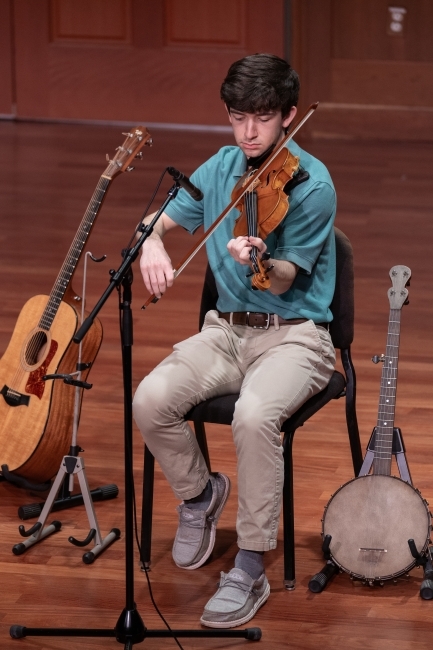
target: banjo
<point>370,520</point>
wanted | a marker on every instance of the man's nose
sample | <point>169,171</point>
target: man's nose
<point>250,129</point>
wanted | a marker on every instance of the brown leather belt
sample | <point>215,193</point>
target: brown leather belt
<point>259,320</point>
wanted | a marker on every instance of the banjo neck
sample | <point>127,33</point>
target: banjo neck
<point>398,296</point>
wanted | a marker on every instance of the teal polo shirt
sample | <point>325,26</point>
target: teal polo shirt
<point>305,237</point>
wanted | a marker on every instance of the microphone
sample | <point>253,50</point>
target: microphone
<point>184,182</point>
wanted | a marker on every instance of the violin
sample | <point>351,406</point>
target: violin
<point>264,167</point>
<point>263,207</point>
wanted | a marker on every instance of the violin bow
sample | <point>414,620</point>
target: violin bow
<point>263,167</point>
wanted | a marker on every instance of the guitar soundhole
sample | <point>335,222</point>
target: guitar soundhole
<point>36,348</point>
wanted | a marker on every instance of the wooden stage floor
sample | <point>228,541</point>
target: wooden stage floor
<point>48,175</point>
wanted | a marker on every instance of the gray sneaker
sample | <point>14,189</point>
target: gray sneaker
<point>237,600</point>
<point>195,537</point>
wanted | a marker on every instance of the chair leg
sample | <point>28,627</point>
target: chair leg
<point>288,514</point>
<point>147,508</point>
<point>200,434</point>
<point>351,419</point>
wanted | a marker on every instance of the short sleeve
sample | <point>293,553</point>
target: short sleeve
<point>304,231</point>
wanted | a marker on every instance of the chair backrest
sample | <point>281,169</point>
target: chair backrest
<point>342,306</point>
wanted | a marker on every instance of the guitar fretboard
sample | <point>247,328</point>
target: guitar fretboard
<point>74,254</point>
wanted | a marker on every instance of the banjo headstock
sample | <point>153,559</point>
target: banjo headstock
<point>398,293</point>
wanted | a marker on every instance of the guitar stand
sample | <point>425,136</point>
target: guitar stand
<point>67,499</point>
<point>319,581</point>
<point>70,465</point>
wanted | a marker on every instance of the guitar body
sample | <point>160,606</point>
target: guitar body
<point>35,415</point>
<point>370,519</point>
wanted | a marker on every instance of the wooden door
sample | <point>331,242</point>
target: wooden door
<point>369,63</point>
<point>131,60</point>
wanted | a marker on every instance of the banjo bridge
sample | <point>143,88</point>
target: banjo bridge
<point>372,556</point>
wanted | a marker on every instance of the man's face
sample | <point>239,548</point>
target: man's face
<point>256,132</point>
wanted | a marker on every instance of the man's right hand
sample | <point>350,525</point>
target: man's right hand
<point>155,264</point>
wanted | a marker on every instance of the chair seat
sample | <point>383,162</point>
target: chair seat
<point>219,410</point>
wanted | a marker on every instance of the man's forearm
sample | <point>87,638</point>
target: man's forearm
<point>281,276</point>
<point>159,229</point>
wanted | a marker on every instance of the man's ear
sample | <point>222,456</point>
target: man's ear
<point>289,117</point>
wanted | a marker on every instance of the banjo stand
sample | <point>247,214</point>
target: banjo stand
<point>359,526</point>
<point>319,581</point>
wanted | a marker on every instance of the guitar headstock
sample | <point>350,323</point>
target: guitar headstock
<point>136,138</point>
<point>398,293</point>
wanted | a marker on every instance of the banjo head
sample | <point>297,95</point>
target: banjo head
<point>370,520</point>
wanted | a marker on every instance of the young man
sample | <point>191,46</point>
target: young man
<point>271,346</point>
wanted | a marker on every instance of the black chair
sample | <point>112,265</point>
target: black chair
<point>220,410</point>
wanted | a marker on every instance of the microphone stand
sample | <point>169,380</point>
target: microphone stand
<point>130,628</point>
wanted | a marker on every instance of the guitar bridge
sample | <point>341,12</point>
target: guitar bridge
<point>13,397</point>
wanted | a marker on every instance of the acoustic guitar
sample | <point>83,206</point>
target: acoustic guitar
<point>36,415</point>
<point>371,519</point>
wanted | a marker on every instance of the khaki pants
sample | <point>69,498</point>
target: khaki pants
<point>275,371</point>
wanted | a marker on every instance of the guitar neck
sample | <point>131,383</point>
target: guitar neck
<point>388,390</point>
<point>70,264</point>
<point>130,149</point>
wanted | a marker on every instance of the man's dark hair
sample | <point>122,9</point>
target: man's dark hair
<point>260,83</point>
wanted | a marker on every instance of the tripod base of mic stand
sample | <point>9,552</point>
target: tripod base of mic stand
<point>134,631</point>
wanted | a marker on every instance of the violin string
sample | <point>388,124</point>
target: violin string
<point>251,211</point>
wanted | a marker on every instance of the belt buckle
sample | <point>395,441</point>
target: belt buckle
<point>258,327</point>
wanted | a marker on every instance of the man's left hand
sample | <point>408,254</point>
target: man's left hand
<point>240,248</point>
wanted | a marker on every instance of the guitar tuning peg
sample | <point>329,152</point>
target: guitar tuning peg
<point>139,155</point>
<point>129,169</point>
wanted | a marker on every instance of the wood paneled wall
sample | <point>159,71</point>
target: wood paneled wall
<point>133,60</point>
<point>368,62</point>
<point>7,66</point>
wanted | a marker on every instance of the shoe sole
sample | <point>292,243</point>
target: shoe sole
<point>226,624</point>
<point>217,515</point>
